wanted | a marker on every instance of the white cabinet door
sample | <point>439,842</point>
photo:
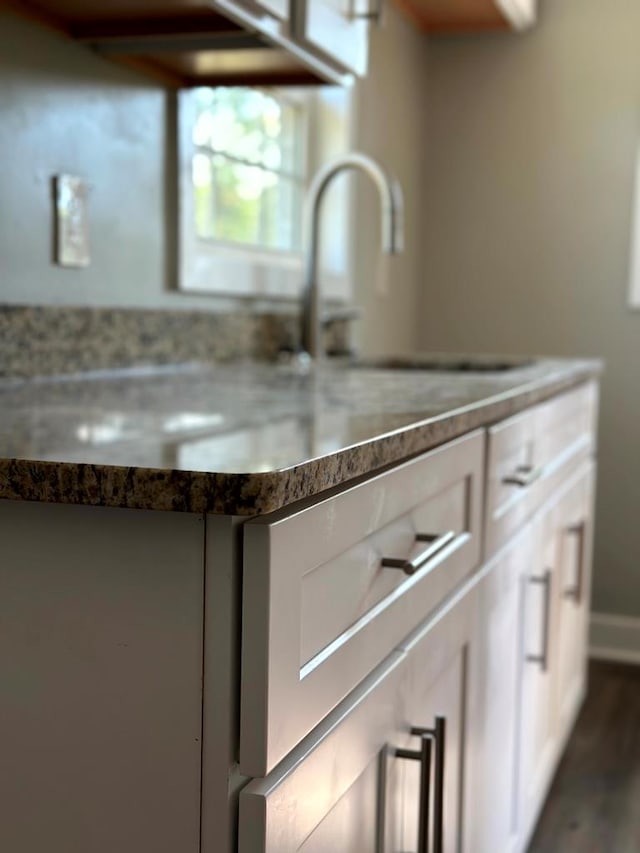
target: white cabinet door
<point>336,30</point>
<point>493,765</point>
<point>383,773</point>
<point>439,674</point>
<point>537,740</point>
<point>575,534</point>
<point>554,638</point>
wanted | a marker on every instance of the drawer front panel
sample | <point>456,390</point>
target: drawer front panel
<point>336,595</point>
<point>531,454</point>
<point>326,596</point>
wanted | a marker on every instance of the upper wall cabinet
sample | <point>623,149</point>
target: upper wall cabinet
<point>336,30</point>
<point>193,42</point>
<point>279,8</point>
<point>445,16</point>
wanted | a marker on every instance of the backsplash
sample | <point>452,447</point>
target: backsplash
<point>48,340</point>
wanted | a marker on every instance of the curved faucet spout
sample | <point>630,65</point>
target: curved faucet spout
<point>392,234</point>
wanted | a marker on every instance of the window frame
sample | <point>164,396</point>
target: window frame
<point>218,268</point>
<point>634,241</point>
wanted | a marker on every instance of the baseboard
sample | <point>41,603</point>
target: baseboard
<point>614,638</point>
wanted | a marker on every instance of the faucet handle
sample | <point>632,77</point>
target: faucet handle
<point>346,313</point>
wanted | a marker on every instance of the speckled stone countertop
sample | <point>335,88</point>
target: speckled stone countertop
<point>245,438</point>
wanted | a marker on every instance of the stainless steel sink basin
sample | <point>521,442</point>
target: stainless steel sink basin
<point>450,364</point>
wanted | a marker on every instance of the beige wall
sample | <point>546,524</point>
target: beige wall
<point>65,109</point>
<point>62,109</point>
<point>529,188</point>
<point>391,126</point>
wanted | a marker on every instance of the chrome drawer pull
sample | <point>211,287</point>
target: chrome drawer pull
<point>543,658</point>
<point>524,476</point>
<point>575,592</point>
<point>435,543</point>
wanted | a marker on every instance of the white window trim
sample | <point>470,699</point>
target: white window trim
<point>219,269</point>
<point>634,244</point>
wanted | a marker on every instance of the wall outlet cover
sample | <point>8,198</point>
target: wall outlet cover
<point>72,225</point>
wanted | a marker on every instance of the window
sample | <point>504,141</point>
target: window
<point>246,158</point>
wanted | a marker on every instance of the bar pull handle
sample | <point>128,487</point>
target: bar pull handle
<point>544,581</point>
<point>437,734</point>
<point>435,543</point>
<point>575,592</point>
<point>524,476</point>
<point>423,755</point>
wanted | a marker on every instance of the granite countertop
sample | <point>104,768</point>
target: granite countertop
<point>245,438</point>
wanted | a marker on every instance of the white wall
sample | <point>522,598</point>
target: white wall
<point>529,188</point>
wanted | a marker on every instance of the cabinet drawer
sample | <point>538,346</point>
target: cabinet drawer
<point>531,454</point>
<point>326,596</point>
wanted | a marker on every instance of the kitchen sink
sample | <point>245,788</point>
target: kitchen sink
<point>444,365</point>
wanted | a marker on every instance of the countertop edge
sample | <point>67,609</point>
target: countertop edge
<point>250,494</point>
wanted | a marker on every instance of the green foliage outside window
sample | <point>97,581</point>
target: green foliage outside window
<point>247,169</point>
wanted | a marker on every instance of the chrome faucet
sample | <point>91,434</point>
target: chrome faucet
<point>392,235</point>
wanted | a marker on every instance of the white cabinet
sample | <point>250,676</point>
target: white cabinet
<point>530,665</point>
<point>554,654</point>
<point>263,14</point>
<point>279,8</point>
<point>499,669</point>
<point>395,694</point>
<point>224,42</point>
<point>335,30</point>
<point>384,772</point>
<point>330,34</point>
<point>101,638</point>
<point>269,18</point>
<point>531,641</point>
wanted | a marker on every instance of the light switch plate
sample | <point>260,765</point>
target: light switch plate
<point>72,225</point>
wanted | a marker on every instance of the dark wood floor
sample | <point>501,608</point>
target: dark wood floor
<point>594,804</point>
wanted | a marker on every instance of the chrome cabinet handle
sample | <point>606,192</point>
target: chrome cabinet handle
<point>524,476</point>
<point>423,755</point>
<point>435,543</point>
<point>544,581</point>
<point>575,592</point>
